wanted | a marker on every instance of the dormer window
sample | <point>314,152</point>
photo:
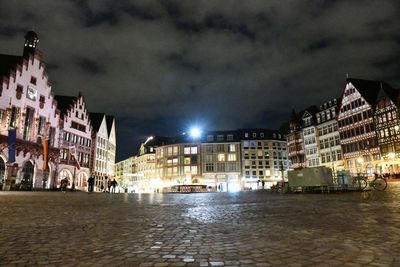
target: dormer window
<point>19,91</point>
<point>33,80</point>
<point>41,101</point>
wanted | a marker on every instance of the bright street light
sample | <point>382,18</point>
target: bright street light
<point>391,155</point>
<point>195,132</point>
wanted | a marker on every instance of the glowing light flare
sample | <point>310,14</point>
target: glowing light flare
<point>391,155</point>
<point>195,132</point>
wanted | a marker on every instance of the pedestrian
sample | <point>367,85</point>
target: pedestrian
<point>64,183</point>
<point>91,184</point>
<point>102,188</point>
<point>108,184</point>
<point>262,184</point>
<point>113,184</point>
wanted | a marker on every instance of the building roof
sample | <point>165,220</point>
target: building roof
<point>96,119</point>
<point>109,122</point>
<point>64,103</point>
<point>370,89</point>
<point>7,63</point>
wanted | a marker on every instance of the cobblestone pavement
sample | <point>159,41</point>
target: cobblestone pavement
<point>216,229</point>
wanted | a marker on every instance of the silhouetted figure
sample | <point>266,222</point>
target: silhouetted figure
<point>113,185</point>
<point>91,184</point>
<point>64,183</point>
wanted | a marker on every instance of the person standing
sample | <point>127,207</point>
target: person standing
<point>113,184</point>
<point>91,184</point>
<point>109,185</point>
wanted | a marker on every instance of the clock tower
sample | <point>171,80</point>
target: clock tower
<point>31,40</point>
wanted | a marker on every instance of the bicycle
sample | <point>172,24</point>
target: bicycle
<point>361,182</point>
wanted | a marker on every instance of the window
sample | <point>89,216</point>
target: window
<point>210,138</point>
<point>221,157</point>
<point>209,167</point>
<point>193,150</point>
<point>232,157</point>
<point>186,150</point>
<point>187,169</point>
<point>232,148</point>
<point>262,135</point>
<point>220,137</point>
<point>33,80</point>
<point>194,169</point>
<point>230,137</point>
<point>187,161</point>
<point>254,135</point>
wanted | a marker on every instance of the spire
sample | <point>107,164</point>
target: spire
<point>31,40</point>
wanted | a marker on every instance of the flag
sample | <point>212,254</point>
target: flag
<point>72,150</point>
<point>12,141</point>
<point>45,144</point>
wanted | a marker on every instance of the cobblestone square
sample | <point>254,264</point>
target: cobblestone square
<point>256,228</point>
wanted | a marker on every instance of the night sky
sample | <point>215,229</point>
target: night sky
<point>162,66</point>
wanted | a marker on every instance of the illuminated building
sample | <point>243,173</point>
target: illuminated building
<point>330,150</point>
<point>76,132</point>
<point>264,156</point>
<point>27,105</point>
<point>103,148</point>
<point>221,162</point>
<point>295,142</point>
<point>356,126</point>
<point>178,162</point>
<point>387,123</point>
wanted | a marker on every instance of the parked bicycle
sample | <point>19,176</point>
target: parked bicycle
<point>361,182</point>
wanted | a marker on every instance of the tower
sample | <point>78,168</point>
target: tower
<point>31,40</point>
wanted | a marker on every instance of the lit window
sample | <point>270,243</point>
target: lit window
<point>186,150</point>
<point>187,169</point>
<point>232,148</point>
<point>193,150</point>
<point>232,157</point>
<point>194,169</point>
<point>221,157</point>
<point>187,160</point>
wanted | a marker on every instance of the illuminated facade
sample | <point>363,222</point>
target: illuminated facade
<point>27,105</point>
<point>221,161</point>
<point>330,150</point>
<point>264,157</point>
<point>103,148</point>
<point>295,142</point>
<point>76,131</point>
<point>178,163</point>
<point>387,123</point>
<point>356,126</point>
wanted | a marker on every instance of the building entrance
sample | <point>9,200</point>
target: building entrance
<point>27,176</point>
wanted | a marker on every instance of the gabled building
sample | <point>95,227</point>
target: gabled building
<point>309,128</point>
<point>103,148</point>
<point>295,142</point>
<point>76,133</point>
<point>328,138</point>
<point>357,128</point>
<point>29,112</point>
<point>387,123</point>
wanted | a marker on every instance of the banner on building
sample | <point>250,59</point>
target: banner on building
<point>72,151</point>
<point>45,144</point>
<point>12,142</point>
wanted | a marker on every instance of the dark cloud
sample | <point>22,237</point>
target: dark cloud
<point>162,65</point>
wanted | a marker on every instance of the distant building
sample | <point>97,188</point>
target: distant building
<point>27,105</point>
<point>103,148</point>
<point>295,142</point>
<point>124,173</point>
<point>264,157</point>
<point>76,132</point>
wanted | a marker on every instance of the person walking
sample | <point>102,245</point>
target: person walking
<point>91,184</point>
<point>109,185</point>
<point>113,184</point>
